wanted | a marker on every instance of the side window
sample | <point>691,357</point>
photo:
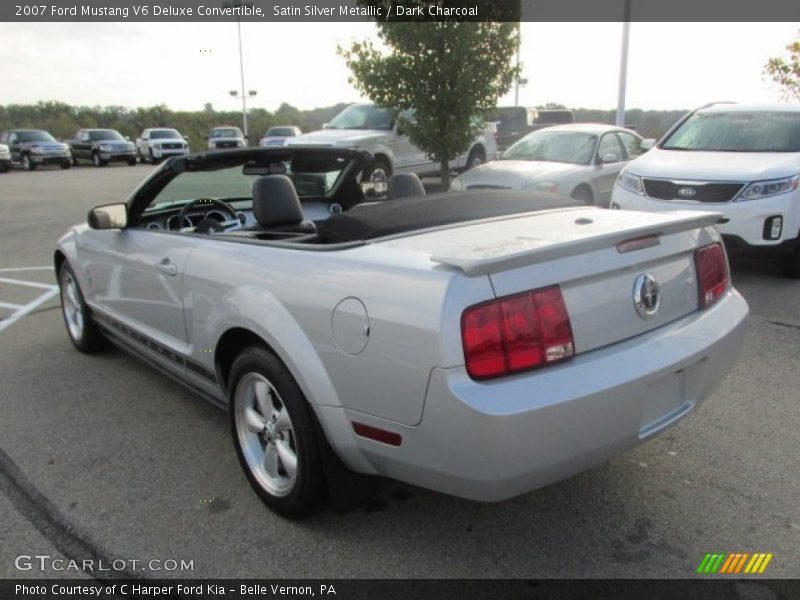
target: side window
<point>83,136</point>
<point>145,135</point>
<point>3,138</point>
<point>12,138</point>
<point>609,145</point>
<point>633,145</point>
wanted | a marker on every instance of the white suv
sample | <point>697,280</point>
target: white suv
<point>737,159</point>
<point>158,143</point>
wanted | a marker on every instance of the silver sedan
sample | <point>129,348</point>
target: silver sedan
<point>580,160</point>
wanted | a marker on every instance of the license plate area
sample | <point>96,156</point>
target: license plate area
<point>665,401</point>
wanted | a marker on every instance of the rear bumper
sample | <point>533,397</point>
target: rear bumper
<point>492,441</point>
<point>737,247</point>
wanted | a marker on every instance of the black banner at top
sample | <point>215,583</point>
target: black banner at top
<point>397,10</point>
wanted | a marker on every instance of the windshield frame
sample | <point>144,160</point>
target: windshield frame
<point>177,135</point>
<point>364,107</point>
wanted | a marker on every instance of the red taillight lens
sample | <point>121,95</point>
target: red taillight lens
<point>515,333</point>
<point>712,273</point>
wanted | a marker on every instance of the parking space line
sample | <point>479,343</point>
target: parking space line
<point>35,284</point>
<point>11,306</point>
<point>22,310</point>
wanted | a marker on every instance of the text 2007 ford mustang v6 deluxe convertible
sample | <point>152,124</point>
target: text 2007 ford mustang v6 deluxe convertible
<point>479,343</point>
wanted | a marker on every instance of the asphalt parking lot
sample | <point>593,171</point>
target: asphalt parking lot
<point>101,456</point>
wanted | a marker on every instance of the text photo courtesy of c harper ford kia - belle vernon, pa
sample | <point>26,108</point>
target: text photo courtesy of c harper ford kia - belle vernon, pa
<point>410,300</point>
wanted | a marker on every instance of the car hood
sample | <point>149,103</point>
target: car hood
<point>226,139</point>
<point>515,174</point>
<point>167,140</point>
<point>338,136</point>
<point>115,143</point>
<point>715,166</point>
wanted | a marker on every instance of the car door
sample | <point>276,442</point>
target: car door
<point>14,147</point>
<point>135,277</point>
<point>82,147</point>
<point>142,143</point>
<point>408,157</point>
<point>609,160</point>
<point>632,144</point>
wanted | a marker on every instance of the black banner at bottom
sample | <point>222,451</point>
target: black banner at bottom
<point>401,589</point>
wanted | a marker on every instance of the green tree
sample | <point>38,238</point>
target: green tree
<point>785,71</point>
<point>448,72</point>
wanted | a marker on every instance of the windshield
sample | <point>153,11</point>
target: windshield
<point>164,134</point>
<point>227,132</point>
<point>104,134</point>
<point>280,132</point>
<point>364,116</point>
<point>34,136</point>
<point>554,146</point>
<point>737,131</point>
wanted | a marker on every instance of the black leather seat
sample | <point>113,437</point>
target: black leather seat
<point>277,207</point>
<point>403,185</point>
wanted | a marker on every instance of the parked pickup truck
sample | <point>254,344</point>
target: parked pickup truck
<point>102,146</point>
<point>514,122</point>
<point>375,129</point>
<point>31,148</point>
<point>5,158</point>
<point>158,143</point>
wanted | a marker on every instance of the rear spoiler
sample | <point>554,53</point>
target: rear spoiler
<point>482,265</point>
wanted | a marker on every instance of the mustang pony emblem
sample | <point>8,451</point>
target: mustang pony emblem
<point>646,296</point>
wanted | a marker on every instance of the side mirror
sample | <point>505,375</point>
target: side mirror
<point>109,216</point>
<point>324,125</point>
<point>127,137</point>
<point>647,144</point>
<point>609,157</point>
<point>185,138</point>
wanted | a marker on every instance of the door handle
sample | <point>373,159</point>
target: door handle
<point>167,268</point>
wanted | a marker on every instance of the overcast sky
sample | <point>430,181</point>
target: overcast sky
<point>185,65</point>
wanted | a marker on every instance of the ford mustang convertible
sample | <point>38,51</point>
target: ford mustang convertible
<point>478,343</point>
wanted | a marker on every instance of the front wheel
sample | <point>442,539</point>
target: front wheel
<point>27,163</point>
<point>583,194</point>
<point>274,434</point>
<point>98,162</point>
<point>83,332</point>
<point>153,159</point>
<point>132,162</point>
<point>66,164</point>
<point>790,266</point>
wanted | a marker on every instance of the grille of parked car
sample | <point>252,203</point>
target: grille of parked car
<point>698,191</point>
<point>226,144</point>
<point>175,146</point>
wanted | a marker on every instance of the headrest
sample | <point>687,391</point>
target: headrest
<point>403,185</point>
<point>275,201</point>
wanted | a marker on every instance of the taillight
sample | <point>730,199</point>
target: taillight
<point>712,273</point>
<point>516,333</point>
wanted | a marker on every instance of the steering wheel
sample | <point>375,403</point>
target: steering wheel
<point>210,225</point>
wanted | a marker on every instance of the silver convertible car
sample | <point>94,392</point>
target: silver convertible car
<point>480,343</point>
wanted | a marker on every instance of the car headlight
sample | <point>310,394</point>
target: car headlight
<point>631,182</point>
<point>105,147</point>
<point>771,187</point>
<point>157,146</point>
<point>36,150</point>
<point>456,185</point>
<point>544,186</point>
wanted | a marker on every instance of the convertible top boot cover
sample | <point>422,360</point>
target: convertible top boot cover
<point>403,215</point>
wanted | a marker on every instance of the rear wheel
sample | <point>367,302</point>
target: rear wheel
<point>274,434</point>
<point>379,170</point>
<point>83,332</point>
<point>66,164</point>
<point>583,194</point>
<point>476,157</point>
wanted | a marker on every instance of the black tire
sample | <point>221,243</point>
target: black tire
<point>790,265</point>
<point>27,163</point>
<point>477,157</point>
<point>97,161</point>
<point>153,159</point>
<point>4,168</point>
<point>132,162</point>
<point>74,161</point>
<point>67,164</point>
<point>378,165</point>
<point>305,493</point>
<point>90,339</point>
<point>583,194</point>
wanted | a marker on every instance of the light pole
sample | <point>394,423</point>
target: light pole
<point>623,65</point>
<point>239,4</point>
<point>520,80</point>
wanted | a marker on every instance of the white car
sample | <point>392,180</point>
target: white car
<point>158,143</point>
<point>376,130</point>
<point>581,161</point>
<point>277,136</point>
<point>5,158</point>
<point>226,137</point>
<point>737,159</point>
